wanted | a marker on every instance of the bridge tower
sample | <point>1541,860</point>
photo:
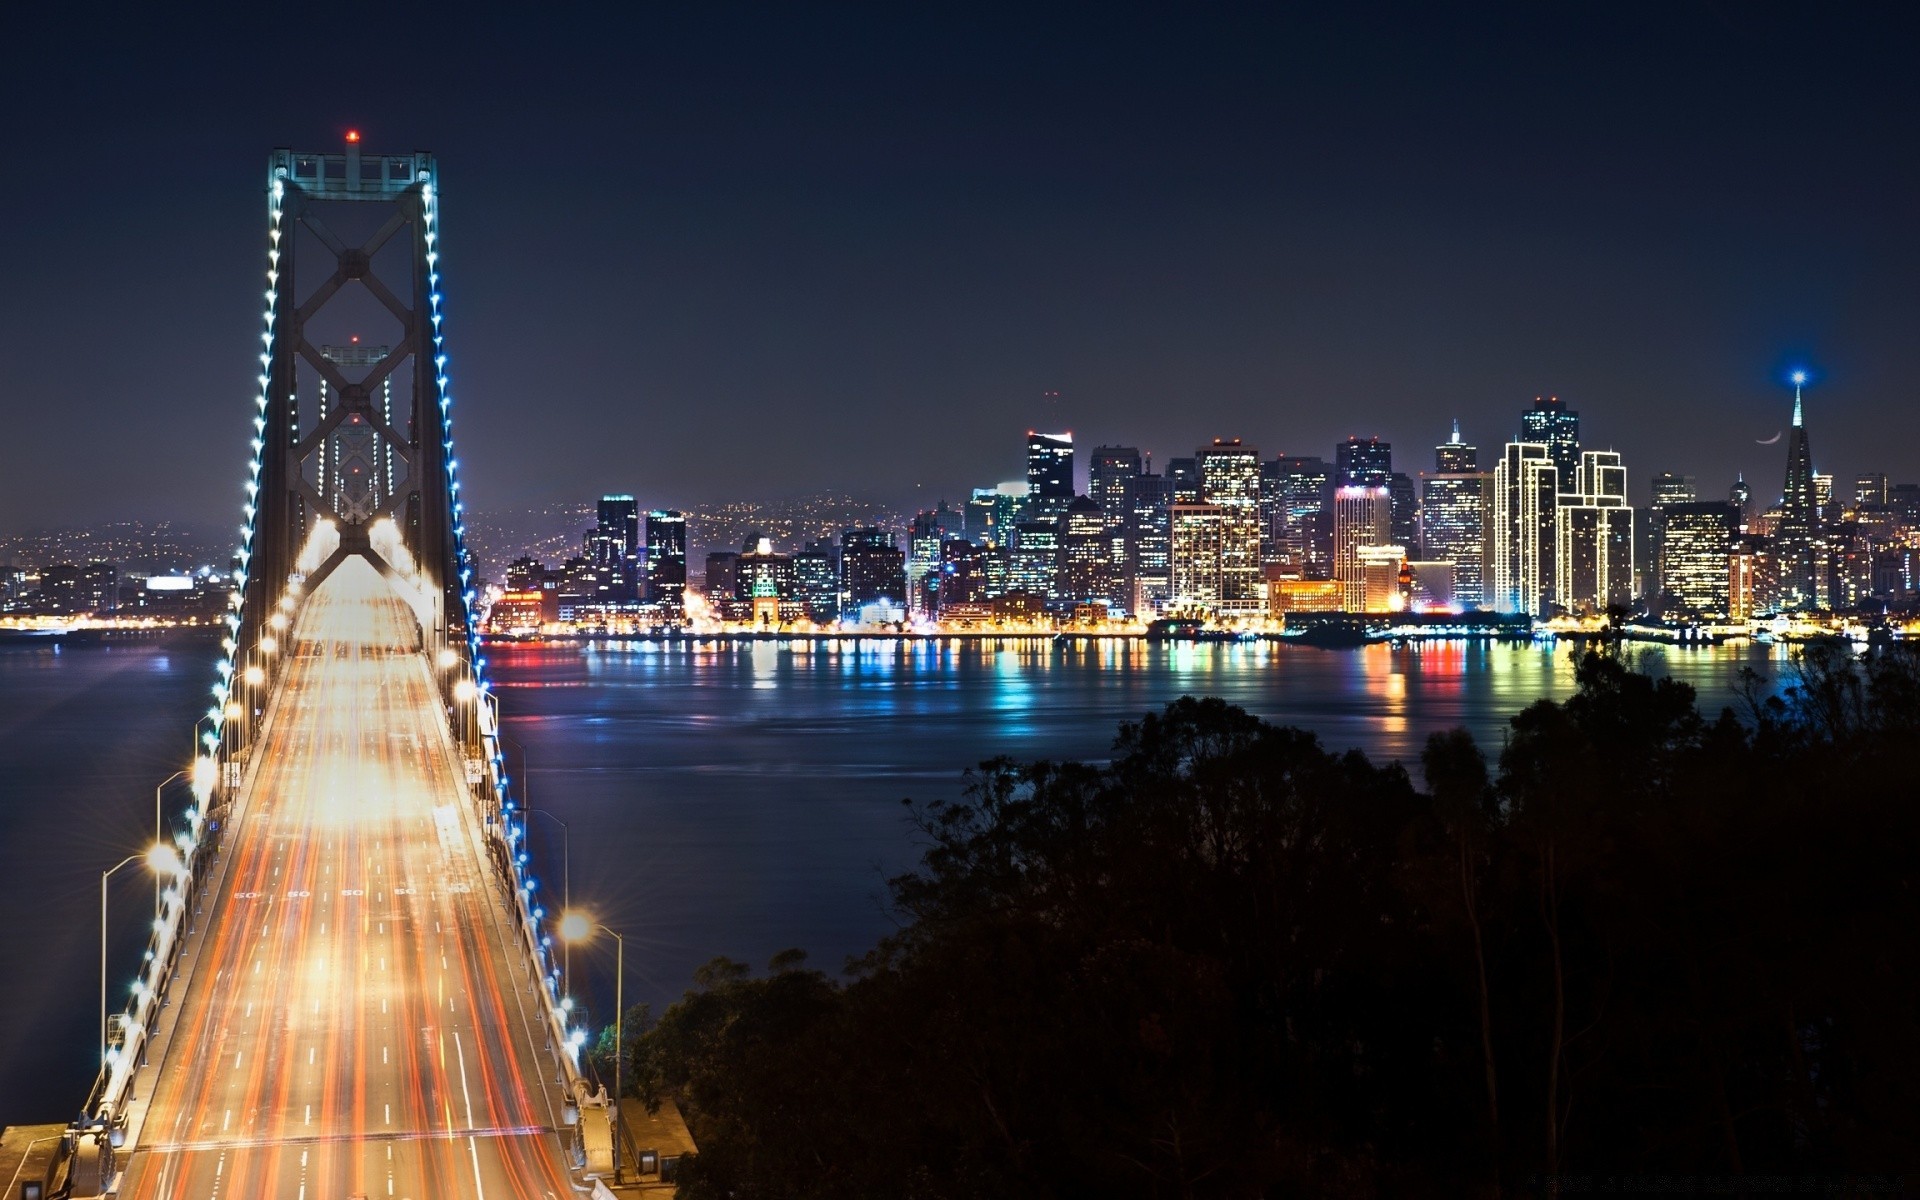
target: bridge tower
<point>353,434</point>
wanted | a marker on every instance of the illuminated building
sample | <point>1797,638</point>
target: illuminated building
<point>1668,488</point>
<point>1430,586</point>
<point>1522,530</point>
<point>1552,424</point>
<point>1085,572</point>
<point>613,547</point>
<point>1108,475</point>
<point>1695,551</point>
<point>518,613</point>
<point>1453,518</point>
<point>1034,557</point>
<point>1358,463</point>
<point>1454,456</point>
<point>721,584</point>
<point>1593,537</point>
<point>963,576</point>
<point>1405,522</point>
<point>1230,481</point>
<point>929,530</point>
<point>1796,534</point>
<point>816,577</point>
<point>1302,509</point>
<point>1870,490</point>
<point>991,512</point>
<point>872,570</point>
<point>1382,586</point>
<point>1049,475</point>
<point>1290,595</point>
<point>1183,480</point>
<point>667,561</point>
<point>767,585</point>
<point>1362,517</point>
<point>1197,536</point>
<point>1149,542</point>
<point>1748,592</point>
<point>1741,497</point>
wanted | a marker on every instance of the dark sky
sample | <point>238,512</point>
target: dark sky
<point>751,252</point>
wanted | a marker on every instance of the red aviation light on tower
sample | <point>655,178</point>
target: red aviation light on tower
<point>353,135</point>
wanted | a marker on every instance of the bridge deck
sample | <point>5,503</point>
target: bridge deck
<point>352,1025</point>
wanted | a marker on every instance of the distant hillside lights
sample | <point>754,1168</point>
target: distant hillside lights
<point>1228,540</point>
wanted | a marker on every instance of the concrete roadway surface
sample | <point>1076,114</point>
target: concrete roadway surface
<point>352,1026</point>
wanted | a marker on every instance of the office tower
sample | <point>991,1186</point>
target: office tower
<point>1034,559</point>
<point>1430,586</point>
<point>767,584</point>
<point>1183,477</point>
<point>1406,509</point>
<point>1823,496</point>
<point>1230,481</point>
<point>1197,541</point>
<point>1384,580</point>
<point>1273,515</point>
<point>1797,533</point>
<point>99,588</point>
<point>873,571</point>
<point>1107,476</point>
<point>1870,490</point>
<point>1696,550</point>
<point>1362,516</point>
<point>1521,529</point>
<point>991,512</point>
<point>667,560</point>
<point>1453,528</point>
<point>1741,497</point>
<point>1455,457</point>
<point>1085,572</point>
<point>1668,488</point>
<point>1552,424</point>
<point>1593,546</point>
<point>1748,593</point>
<point>1049,475</point>
<point>1305,500</point>
<point>963,575</point>
<point>613,547</point>
<point>1149,542</point>
<point>929,529</point>
<point>1360,463</point>
<point>720,583</point>
<point>816,574</point>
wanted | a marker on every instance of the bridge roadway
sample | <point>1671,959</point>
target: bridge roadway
<point>352,1026</point>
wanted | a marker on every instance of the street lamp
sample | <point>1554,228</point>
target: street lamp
<point>161,859</point>
<point>566,869</point>
<point>159,838</point>
<point>578,927</point>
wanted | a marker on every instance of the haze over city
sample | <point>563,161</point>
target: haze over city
<point>755,252</point>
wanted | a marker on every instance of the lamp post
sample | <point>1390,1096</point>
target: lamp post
<point>566,871</point>
<point>578,927</point>
<point>162,860</point>
<point>158,836</point>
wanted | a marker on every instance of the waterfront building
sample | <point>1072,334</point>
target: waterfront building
<point>1431,586</point>
<point>1383,579</point>
<point>1453,519</point>
<point>666,570</point>
<point>963,577</point>
<point>1304,513</point>
<point>1695,551</point>
<point>1149,542</point>
<point>1291,594</point>
<point>1049,475</point>
<point>1749,572</point>
<point>1593,542</point>
<point>1668,488</point>
<point>766,584</point>
<point>1796,535</point>
<point>1362,463</point>
<point>816,574</point>
<point>613,547</point>
<point>1034,558</point>
<point>720,584</point>
<point>873,571</point>
<point>929,530</point>
<point>1552,424</point>
<point>1362,517</point>
<point>1522,530</point>
<point>1197,540</point>
<point>1108,476</point>
<point>1085,572</point>
<point>1405,522</point>
<point>1230,481</point>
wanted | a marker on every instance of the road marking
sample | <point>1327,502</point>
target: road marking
<point>236,1058</point>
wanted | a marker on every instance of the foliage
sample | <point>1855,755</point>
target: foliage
<point>1232,963</point>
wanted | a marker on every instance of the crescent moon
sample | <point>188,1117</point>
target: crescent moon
<point>1768,441</point>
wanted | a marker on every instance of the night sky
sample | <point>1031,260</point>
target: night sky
<point>755,252</point>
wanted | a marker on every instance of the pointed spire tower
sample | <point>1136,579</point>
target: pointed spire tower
<point>1799,528</point>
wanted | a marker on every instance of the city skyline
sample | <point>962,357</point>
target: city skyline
<point>1276,227</point>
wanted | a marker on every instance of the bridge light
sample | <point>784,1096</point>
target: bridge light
<point>164,860</point>
<point>268,645</point>
<point>255,676</point>
<point>575,927</point>
<point>447,658</point>
<point>463,691</point>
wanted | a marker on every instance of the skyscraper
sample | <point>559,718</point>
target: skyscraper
<point>1406,510</point>
<point>1107,477</point>
<point>667,560</point>
<point>1183,477</point>
<point>1305,503</point>
<point>1741,497</point>
<point>1049,475</point>
<point>1196,546</point>
<point>873,571</point>
<point>1362,516</point>
<point>1521,530</point>
<point>1360,463</point>
<point>1453,527</point>
<point>1798,530</point>
<point>1149,542</point>
<point>1455,457</point>
<point>614,548</point>
<point>1593,544</point>
<point>1085,572</point>
<point>1668,488</point>
<point>1552,424</point>
<point>1696,551</point>
<point>1230,481</point>
<point>1034,559</point>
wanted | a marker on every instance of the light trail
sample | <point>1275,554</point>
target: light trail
<point>355,1022</point>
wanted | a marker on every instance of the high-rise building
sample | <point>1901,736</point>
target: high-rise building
<point>1668,488</point>
<point>1197,541</point>
<point>1085,572</point>
<point>1696,551</point>
<point>1359,463</point>
<point>1455,457</point>
<point>963,575</point>
<point>1384,579</point>
<point>1183,477</point>
<point>1107,479</point>
<point>667,560</point>
<point>1362,516</point>
<point>1522,532</point>
<point>1149,542</point>
<point>767,584</point>
<point>1453,528</point>
<point>1796,534</point>
<point>1034,558</point>
<point>1593,545</point>
<point>1305,504</point>
<point>1049,475</point>
<point>873,571</point>
<point>1870,490</point>
<point>613,547</point>
<point>1406,510</point>
<point>1230,481</point>
<point>1552,424</point>
<point>816,575</point>
<point>929,530</point>
<point>1741,497</point>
